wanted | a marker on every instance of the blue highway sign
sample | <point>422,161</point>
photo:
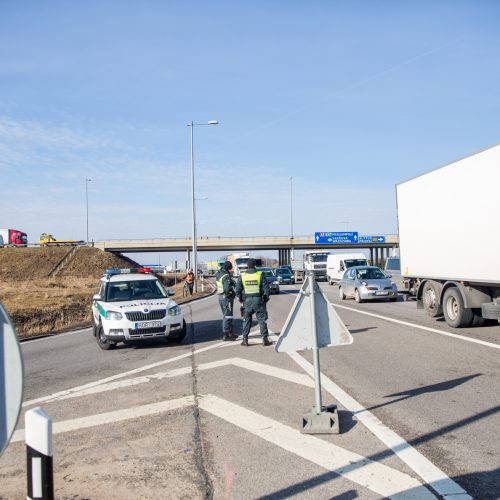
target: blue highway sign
<point>371,239</point>
<point>338,238</point>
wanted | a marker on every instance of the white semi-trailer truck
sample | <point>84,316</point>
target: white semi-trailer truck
<point>449,237</point>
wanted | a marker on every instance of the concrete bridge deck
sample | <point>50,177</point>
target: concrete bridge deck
<point>216,243</point>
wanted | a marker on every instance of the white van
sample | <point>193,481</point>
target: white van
<point>337,264</point>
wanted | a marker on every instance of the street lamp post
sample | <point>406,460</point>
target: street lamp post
<point>195,254</point>
<point>87,204</point>
<point>291,214</point>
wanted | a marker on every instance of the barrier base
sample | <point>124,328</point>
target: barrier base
<point>326,422</point>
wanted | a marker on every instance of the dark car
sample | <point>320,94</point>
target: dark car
<point>284,275</point>
<point>271,278</point>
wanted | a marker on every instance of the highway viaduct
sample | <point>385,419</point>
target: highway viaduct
<point>283,244</point>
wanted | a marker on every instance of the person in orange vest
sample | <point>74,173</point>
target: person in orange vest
<point>190,281</point>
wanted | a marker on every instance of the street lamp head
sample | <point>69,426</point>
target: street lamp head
<point>213,122</point>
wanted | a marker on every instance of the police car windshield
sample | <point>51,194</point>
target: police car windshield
<point>242,261</point>
<point>120,291</point>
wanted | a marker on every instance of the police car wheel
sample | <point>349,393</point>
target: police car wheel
<point>102,341</point>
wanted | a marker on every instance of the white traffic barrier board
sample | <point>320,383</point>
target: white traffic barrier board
<point>297,333</point>
<point>11,379</point>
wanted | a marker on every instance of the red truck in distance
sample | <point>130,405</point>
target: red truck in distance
<point>13,237</point>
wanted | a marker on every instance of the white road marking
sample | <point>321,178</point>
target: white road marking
<point>288,375</point>
<point>58,395</point>
<point>420,327</point>
<point>431,474</point>
<point>54,336</point>
<point>113,416</point>
<point>378,478</point>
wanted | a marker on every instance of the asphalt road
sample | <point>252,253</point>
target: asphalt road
<point>418,406</point>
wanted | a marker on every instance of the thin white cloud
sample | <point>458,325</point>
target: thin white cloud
<point>133,194</point>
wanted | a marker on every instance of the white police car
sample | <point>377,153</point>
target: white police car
<point>132,304</point>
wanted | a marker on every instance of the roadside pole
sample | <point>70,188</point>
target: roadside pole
<point>39,455</point>
<point>315,348</point>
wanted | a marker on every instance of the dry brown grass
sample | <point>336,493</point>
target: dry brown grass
<point>40,305</point>
<point>45,306</point>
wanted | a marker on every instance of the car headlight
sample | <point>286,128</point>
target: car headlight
<point>364,283</point>
<point>276,283</point>
<point>113,315</point>
<point>280,278</point>
<point>174,311</point>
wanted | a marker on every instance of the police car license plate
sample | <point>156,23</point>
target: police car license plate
<point>382,293</point>
<point>148,324</point>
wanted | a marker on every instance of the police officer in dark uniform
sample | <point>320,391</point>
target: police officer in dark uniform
<point>225,290</point>
<point>253,289</point>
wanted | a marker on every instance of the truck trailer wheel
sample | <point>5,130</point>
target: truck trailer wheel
<point>430,298</point>
<point>455,313</point>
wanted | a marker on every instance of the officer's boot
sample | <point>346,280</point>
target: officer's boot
<point>266,341</point>
<point>245,341</point>
<point>228,336</point>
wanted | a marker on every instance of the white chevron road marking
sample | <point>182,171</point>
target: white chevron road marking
<point>378,478</point>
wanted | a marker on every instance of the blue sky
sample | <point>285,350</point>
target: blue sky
<point>349,98</point>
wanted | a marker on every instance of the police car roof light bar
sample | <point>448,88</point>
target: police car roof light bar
<point>112,271</point>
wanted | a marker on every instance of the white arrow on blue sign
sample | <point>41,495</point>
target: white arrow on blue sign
<point>332,238</point>
<point>371,239</point>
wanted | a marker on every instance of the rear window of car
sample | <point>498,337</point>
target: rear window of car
<point>393,264</point>
<point>283,271</point>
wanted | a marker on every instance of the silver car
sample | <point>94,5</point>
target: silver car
<point>367,283</point>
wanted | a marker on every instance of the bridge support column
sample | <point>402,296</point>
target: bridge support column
<point>284,256</point>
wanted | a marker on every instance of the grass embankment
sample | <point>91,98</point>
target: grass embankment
<point>39,305</point>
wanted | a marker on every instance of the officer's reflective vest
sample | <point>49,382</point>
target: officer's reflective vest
<point>251,283</point>
<point>220,283</point>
